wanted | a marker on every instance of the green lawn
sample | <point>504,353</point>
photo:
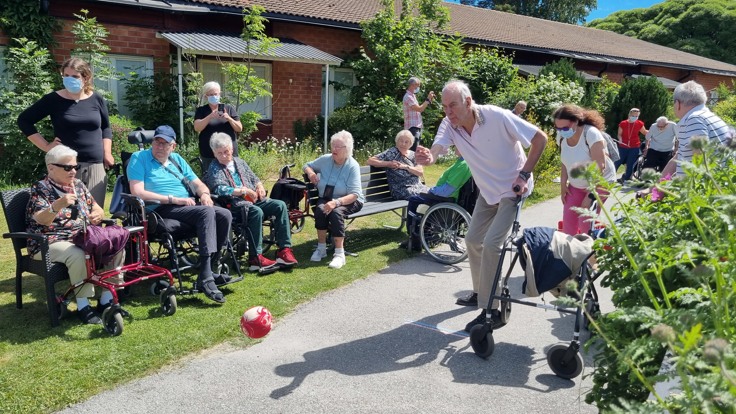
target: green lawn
<point>44,369</point>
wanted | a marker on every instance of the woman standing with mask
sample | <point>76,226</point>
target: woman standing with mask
<point>80,120</point>
<point>213,117</point>
<point>581,143</point>
<point>629,143</point>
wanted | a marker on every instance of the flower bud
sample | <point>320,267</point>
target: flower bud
<point>698,142</point>
<point>663,333</point>
<point>714,350</point>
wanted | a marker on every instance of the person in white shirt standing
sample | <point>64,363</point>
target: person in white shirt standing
<point>492,140</point>
<point>413,110</point>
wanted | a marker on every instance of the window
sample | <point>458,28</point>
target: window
<point>341,81</point>
<point>212,71</point>
<point>124,66</point>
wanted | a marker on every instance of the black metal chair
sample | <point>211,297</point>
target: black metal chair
<point>14,204</point>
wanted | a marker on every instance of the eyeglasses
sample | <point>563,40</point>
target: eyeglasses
<point>67,168</point>
<point>161,143</point>
<point>563,129</point>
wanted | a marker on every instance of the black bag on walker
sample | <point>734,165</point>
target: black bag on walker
<point>289,190</point>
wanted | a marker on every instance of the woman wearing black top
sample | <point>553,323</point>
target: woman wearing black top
<point>215,117</point>
<point>80,121</point>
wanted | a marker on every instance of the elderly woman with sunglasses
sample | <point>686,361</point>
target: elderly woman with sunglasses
<point>581,143</point>
<point>59,206</point>
<point>80,120</point>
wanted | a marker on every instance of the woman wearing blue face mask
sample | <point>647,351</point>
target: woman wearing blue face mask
<point>80,121</point>
<point>581,142</point>
<point>213,117</point>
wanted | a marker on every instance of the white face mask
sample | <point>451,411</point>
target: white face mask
<point>633,118</point>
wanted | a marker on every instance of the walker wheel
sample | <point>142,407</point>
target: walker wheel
<point>505,307</point>
<point>481,339</point>
<point>159,286</point>
<point>297,225</point>
<point>112,321</point>
<point>168,301</point>
<point>564,369</point>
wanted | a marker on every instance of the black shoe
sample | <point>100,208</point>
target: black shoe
<point>469,300</point>
<point>101,308</point>
<point>404,244</point>
<point>209,288</point>
<point>88,316</point>
<point>481,319</point>
<point>416,245</point>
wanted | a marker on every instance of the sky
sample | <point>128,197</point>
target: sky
<point>606,7</point>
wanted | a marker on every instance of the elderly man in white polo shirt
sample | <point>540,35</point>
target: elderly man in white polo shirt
<point>491,140</point>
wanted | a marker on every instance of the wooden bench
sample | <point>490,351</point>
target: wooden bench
<point>374,183</point>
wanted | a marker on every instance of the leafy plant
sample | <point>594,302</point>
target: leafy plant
<point>153,100</point>
<point>21,19</point>
<point>27,82</point>
<point>89,44</point>
<point>564,69</point>
<point>671,266</point>
<point>548,92</point>
<point>600,95</point>
<point>646,93</point>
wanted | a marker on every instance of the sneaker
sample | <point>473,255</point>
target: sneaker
<point>318,255</point>
<point>286,257</point>
<point>469,300</point>
<point>337,262</point>
<point>481,319</point>
<point>88,316</point>
<point>260,263</point>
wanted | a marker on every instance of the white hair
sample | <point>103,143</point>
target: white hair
<point>662,120</point>
<point>58,153</point>
<point>404,132</point>
<point>220,140</point>
<point>207,87</point>
<point>413,81</point>
<point>346,138</point>
<point>690,93</point>
<point>459,86</point>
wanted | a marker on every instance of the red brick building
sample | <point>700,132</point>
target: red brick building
<point>148,35</point>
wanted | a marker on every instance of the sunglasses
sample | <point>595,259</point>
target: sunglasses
<point>67,168</point>
<point>565,129</point>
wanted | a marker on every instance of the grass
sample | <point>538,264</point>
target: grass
<point>44,369</point>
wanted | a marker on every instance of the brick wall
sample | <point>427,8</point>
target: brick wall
<point>297,94</point>
<point>337,42</point>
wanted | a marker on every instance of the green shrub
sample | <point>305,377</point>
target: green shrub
<point>726,109</point>
<point>646,93</point>
<point>310,129</point>
<point>153,100</point>
<point>563,69</point>
<point>671,266</point>
<point>600,95</point>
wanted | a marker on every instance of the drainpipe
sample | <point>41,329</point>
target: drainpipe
<point>327,102</point>
<point>181,94</point>
<point>605,68</point>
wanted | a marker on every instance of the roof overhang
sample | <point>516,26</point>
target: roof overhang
<point>534,70</point>
<point>160,5</point>
<point>668,83</point>
<point>233,46</point>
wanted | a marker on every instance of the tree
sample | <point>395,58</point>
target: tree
<point>564,69</point>
<point>565,11</point>
<point>646,93</point>
<point>702,27</point>
<point>89,44</point>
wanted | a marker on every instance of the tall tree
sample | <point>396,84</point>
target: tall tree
<point>565,11</point>
<point>702,27</point>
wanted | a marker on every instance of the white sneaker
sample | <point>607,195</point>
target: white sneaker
<point>337,262</point>
<point>318,255</point>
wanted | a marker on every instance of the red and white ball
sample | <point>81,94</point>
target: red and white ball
<point>256,322</point>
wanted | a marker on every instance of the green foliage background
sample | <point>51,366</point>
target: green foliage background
<point>646,93</point>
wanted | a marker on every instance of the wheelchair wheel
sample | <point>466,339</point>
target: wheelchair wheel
<point>481,339</point>
<point>112,320</point>
<point>158,286</point>
<point>564,369</point>
<point>168,301</point>
<point>505,307</point>
<point>442,232</point>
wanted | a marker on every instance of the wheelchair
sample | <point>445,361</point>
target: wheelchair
<point>443,226</point>
<point>172,243</point>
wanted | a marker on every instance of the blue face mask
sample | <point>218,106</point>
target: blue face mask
<point>566,133</point>
<point>73,85</point>
<point>213,99</point>
<point>416,90</point>
<point>633,118</point>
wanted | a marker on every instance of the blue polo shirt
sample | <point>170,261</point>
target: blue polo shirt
<point>160,179</point>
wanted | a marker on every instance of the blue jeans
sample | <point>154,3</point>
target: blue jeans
<point>628,157</point>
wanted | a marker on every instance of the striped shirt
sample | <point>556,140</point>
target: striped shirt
<point>699,121</point>
<point>412,118</point>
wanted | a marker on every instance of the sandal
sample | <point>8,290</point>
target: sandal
<point>209,288</point>
<point>101,308</point>
<point>88,316</point>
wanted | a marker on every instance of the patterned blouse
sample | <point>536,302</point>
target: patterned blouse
<point>43,194</point>
<point>402,183</point>
<point>222,180</point>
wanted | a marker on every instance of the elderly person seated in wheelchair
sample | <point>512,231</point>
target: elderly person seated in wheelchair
<point>402,171</point>
<point>60,206</point>
<point>340,194</point>
<point>447,189</point>
<point>161,175</point>
<point>231,178</point>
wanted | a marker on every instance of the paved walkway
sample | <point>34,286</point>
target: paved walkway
<point>390,343</point>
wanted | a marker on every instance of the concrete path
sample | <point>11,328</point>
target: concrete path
<point>390,343</point>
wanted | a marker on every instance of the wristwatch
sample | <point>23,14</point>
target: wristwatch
<point>51,209</point>
<point>525,175</point>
